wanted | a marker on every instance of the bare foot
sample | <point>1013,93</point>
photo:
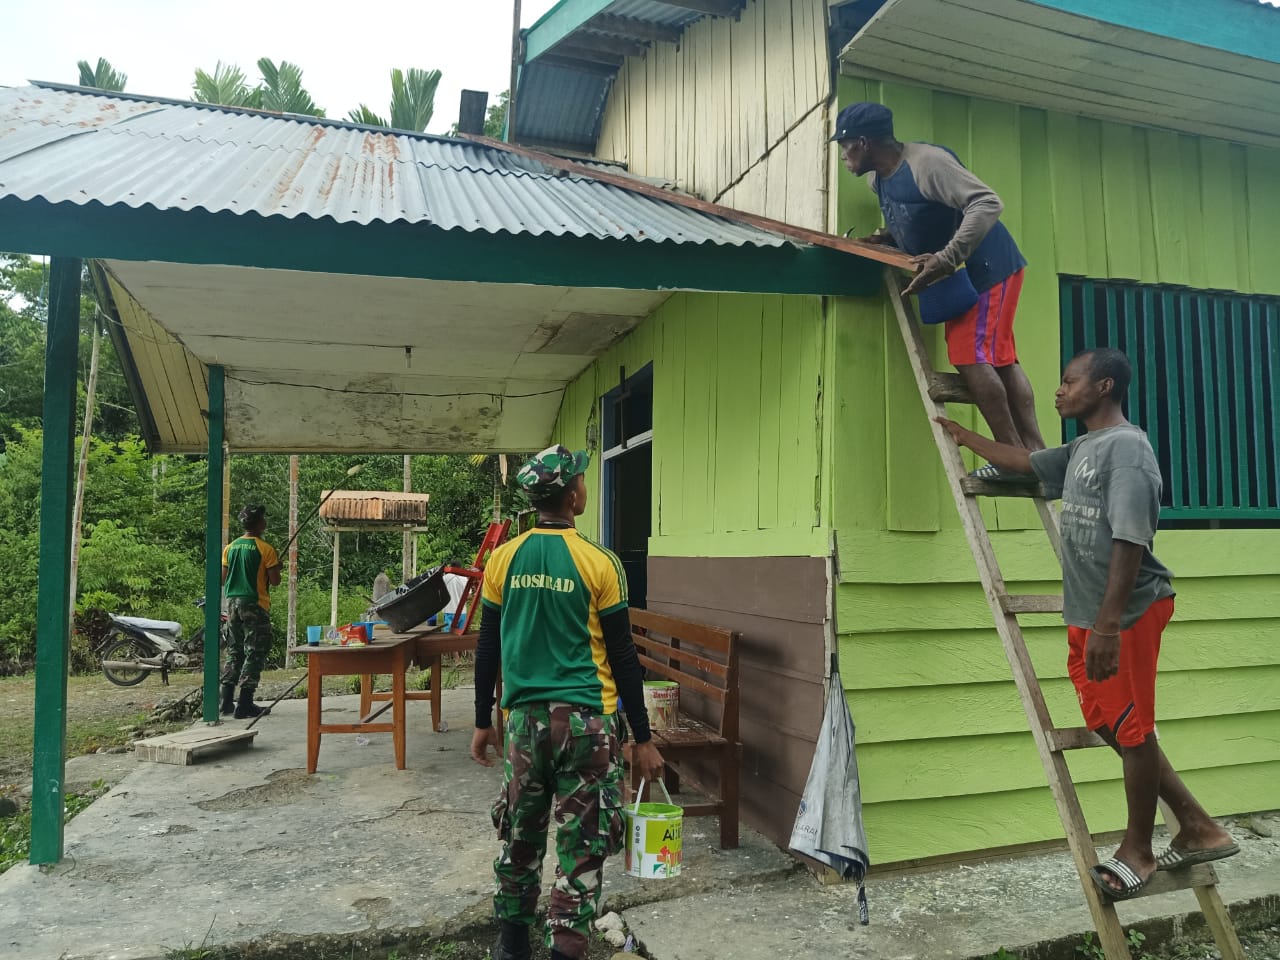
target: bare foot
<point>1202,836</point>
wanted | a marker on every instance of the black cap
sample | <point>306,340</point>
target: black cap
<point>864,120</point>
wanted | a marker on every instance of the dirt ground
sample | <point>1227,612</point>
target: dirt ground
<point>101,715</point>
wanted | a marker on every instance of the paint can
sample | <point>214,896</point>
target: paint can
<point>654,850</point>
<point>662,703</point>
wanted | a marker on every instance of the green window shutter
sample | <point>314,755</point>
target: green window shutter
<point>1206,388</point>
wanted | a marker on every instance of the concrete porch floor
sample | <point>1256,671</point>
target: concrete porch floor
<point>246,849</point>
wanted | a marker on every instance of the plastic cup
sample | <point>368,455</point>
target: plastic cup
<point>368,628</point>
<point>313,636</point>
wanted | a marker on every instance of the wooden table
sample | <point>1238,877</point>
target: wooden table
<point>390,654</point>
<point>427,647</point>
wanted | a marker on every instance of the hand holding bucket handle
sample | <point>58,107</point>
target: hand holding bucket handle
<point>640,793</point>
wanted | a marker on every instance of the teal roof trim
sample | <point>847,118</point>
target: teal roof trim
<point>1249,30</point>
<point>558,22</point>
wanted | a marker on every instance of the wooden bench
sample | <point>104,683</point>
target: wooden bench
<point>704,661</point>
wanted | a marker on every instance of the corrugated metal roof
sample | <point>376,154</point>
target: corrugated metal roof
<point>71,145</point>
<point>560,105</point>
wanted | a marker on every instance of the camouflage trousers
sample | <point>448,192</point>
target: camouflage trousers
<point>567,759</point>
<point>250,642</point>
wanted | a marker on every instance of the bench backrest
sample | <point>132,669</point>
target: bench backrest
<point>701,658</point>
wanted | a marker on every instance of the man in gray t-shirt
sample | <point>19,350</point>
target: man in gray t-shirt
<point>1117,600</point>
<point>1109,484</point>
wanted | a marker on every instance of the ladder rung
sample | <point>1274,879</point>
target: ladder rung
<point>948,388</point>
<point>1073,738</point>
<point>1001,488</point>
<point>1166,881</point>
<point>1031,603</point>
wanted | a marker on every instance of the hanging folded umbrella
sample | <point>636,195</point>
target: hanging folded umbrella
<point>828,826</point>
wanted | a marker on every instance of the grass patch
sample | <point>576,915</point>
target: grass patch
<point>15,831</point>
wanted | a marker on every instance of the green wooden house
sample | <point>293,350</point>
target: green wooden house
<point>763,462</point>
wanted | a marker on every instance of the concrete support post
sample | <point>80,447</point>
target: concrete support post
<point>333,596</point>
<point>213,542</point>
<point>53,598</point>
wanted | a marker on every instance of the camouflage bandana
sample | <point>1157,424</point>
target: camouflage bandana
<point>550,471</point>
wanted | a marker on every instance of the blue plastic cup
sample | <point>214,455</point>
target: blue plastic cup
<point>368,626</point>
<point>313,636</point>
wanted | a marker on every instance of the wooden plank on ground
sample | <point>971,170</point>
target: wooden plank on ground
<point>184,746</point>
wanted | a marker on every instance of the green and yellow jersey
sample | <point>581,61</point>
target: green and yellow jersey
<point>551,587</point>
<point>246,561</point>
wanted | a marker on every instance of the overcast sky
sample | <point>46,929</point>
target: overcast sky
<point>346,53</point>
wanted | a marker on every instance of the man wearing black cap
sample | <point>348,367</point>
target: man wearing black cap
<point>946,218</point>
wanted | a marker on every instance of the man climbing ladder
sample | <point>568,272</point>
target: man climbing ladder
<point>1117,599</point>
<point>1193,846</point>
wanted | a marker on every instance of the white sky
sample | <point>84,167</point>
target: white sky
<point>346,53</point>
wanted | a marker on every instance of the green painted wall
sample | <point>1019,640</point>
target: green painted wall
<point>737,423</point>
<point>945,761</point>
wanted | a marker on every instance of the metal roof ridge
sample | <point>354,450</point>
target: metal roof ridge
<point>243,111</point>
<point>790,232</point>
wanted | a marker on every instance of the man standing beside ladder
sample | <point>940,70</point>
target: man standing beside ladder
<point>555,619</point>
<point>948,220</point>
<point>1117,599</point>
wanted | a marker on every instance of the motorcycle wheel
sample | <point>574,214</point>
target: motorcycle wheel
<point>122,648</point>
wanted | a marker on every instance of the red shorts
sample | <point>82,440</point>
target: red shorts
<point>985,333</point>
<point>1126,703</point>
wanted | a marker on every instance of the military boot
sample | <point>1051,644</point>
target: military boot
<point>228,699</point>
<point>513,941</point>
<point>246,709</point>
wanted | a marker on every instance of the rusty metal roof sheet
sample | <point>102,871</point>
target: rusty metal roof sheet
<point>374,506</point>
<point>74,145</point>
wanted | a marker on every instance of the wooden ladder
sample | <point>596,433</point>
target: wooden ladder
<point>936,389</point>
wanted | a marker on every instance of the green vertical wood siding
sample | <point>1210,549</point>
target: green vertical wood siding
<point>944,756</point>
<point>737,423</point>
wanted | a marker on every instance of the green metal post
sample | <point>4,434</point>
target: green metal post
<point>213,543</point>
<point>53,600</point>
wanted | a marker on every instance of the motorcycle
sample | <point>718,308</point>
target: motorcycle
<point>136,647</point>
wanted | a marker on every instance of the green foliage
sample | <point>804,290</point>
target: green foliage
<point>1002,954</point>
<point>15,832</point>
<point>103,76</point>
<point>226,86</point>
<point>282,89</point>
<point>413,97</point>
<point>495,121</point>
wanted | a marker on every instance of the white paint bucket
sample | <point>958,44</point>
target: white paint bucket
<point>662,703</point>
<point>654,848</point>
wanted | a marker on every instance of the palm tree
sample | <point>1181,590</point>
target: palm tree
<point>282,89</point>
<point>226,86</point>
<point>103,76</point>
<point>413,97</point>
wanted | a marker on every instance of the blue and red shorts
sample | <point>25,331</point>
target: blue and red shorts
<point>1126,703</point>
<point>985,333</point>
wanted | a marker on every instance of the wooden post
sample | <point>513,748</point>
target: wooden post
<point>516,53</point>
<point>215,502</point>
<point>333,597</point>
<point>226,495</point>
<point>77,511</point>
<point>407,566</point>
<point>53,613</point>
<point>291,630</point>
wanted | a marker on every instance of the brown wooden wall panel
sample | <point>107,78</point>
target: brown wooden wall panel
<point>782,660</point>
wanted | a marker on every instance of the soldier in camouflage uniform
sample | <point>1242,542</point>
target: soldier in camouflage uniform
<point>555,618</point>
<point>250,568</point>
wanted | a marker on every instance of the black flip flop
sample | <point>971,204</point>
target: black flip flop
<point>1131,883</point>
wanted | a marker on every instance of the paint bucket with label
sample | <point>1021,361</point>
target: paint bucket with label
<point>653,847</point>
<point>662,703</point>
